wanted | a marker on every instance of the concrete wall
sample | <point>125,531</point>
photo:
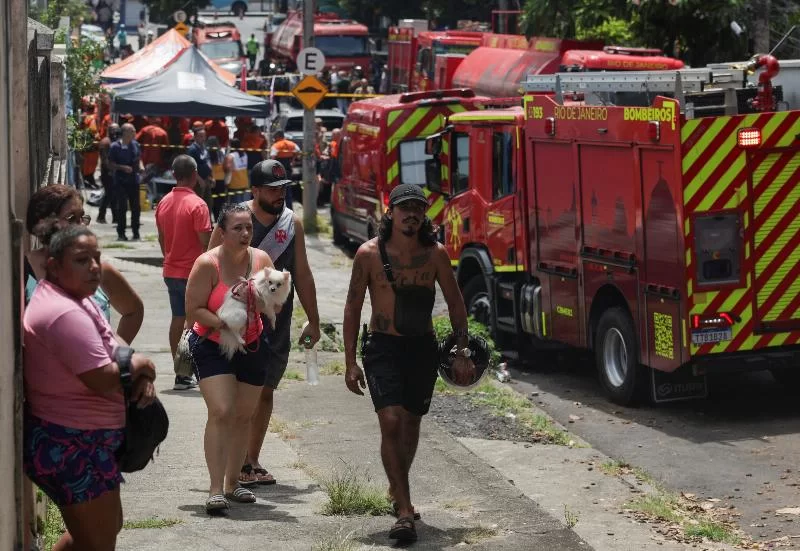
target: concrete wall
<point>13,169</point>
<point>31,143</point>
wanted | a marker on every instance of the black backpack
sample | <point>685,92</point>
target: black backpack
<point>145,429</point>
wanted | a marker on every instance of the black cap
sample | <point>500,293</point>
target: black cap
<point>407,192</point>
<point>268,173</point>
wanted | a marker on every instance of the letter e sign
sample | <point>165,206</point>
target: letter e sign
<point>310,61</point>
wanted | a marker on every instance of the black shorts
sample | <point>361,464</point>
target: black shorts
<point>209,360</point>
<point>280,343</point>
<point>401,371</point>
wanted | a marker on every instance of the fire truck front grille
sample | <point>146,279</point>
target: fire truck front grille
<point>776,210</point>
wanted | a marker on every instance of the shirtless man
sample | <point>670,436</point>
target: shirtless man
<point>400,352</point>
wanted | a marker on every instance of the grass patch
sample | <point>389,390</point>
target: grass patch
<point>352,493</point>
<point>150,238</point>
<point>298,465</point>
<point>336,542</point>
<point>616,467</point>
<point>712,530</point>
<point>477,534</point>
<point>570,517</point>
<point>153,522</point>
<point>460,505</point>
<point>293,375</point>
<point>441,387</point>
<point>659,506</point>
<point>282,429</point>
<point>333,367</point>
<point>116,245</point>
<point>502,400</point>
<point>53,526</point>
<point>324,227</point>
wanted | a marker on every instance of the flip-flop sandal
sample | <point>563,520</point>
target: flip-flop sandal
<point>241,495</point>
<point>403,530</point>
<point>216,503</point>
<point>417,516</point>
<point>263,477</point>
<point>247,470</point>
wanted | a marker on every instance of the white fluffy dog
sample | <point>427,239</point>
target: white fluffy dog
<point>269,289</point>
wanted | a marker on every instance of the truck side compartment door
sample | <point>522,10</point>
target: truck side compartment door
<point>500,228</point>
<point>555,250</point>
<point>663,283</point>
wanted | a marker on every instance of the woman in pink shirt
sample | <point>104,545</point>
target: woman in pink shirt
<point>230,387</point>
<point>74,407</point>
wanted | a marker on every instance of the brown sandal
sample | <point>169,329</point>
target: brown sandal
<point>263,477</point>
<point>403,530</point>
<point>417,516</point>
<point>247,471</point>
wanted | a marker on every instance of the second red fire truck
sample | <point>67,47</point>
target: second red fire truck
<point>655,222</point>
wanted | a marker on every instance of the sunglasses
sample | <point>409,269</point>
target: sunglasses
<point>75,219</point>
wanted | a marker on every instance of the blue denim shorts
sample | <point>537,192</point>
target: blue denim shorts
<point>248,367</point>
<point>176,288</point>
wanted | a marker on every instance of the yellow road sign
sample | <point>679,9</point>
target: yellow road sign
<point>309,91</point>
<point>182,28</point>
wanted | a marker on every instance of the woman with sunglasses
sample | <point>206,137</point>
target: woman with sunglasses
<point>74,406</point>
<point>64,205</point>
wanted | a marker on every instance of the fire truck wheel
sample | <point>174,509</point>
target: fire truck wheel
<point>789,376</point>
<point>476,299</point>
<point>339,237</point>
<point>617,358</point>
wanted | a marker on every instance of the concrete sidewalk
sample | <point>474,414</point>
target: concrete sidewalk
<point>326,428</point>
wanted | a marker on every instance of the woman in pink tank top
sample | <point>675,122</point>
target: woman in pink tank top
<point>230,387</point>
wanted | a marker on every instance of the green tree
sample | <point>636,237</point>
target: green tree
<point>161,10</point>
<point>76,10</point>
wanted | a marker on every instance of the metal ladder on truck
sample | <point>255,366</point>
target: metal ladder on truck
<point>700,92</point>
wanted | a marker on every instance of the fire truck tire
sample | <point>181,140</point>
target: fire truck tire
<point>787,376</point>
<point>339,238</point>
<point>624,379</point>
<point>476,299</point>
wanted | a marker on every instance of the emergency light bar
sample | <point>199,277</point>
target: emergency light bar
<point>749,137</point>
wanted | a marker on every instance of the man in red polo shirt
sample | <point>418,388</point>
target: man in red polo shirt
<point>184,229</point>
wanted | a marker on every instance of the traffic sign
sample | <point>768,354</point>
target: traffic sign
<point>182,28</point>
<point>179,16</point>
<point>310,61</point>
<point>309,91</point>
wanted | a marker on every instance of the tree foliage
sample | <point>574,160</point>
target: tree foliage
<point>161,10</point>
<point>76,10</point>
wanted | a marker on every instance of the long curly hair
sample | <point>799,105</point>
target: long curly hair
<point>47,203</point>
<point>426,235</point>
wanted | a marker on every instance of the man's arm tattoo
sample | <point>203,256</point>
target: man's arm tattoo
<point>355,280</point>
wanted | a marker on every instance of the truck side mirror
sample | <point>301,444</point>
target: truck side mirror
<point>433,174</point>
<point>433,145</point>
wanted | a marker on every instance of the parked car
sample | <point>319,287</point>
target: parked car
<point>291,122</point>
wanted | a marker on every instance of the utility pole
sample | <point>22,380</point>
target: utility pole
<point>309,135</point>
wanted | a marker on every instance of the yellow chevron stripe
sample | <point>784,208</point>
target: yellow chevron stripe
<point>393,116</point>
<point>688,128</point>
<point>722,184</point>
<point>458,108</point>
<point>714,161</point>
<point>393,172</point>
<point>511,268</point>
<point>454,263</point>
<point>779,339</point>
<point>407,126</point>
<point>436,208</point>
<point>426,192</point>
<point>436,124</point>
<point>702,144</point>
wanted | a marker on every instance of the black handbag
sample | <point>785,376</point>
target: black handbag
<point>145,428</point>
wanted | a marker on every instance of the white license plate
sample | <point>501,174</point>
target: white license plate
<point>717,335</point>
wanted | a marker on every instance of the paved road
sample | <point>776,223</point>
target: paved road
<point>740,445</point>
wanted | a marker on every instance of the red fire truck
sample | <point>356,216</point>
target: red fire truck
<point>383,141</point>
<point>343,41</point>
<point>660,231</point>
<point>413,55</point>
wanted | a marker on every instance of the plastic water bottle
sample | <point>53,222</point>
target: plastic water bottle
<point>312,367</point>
